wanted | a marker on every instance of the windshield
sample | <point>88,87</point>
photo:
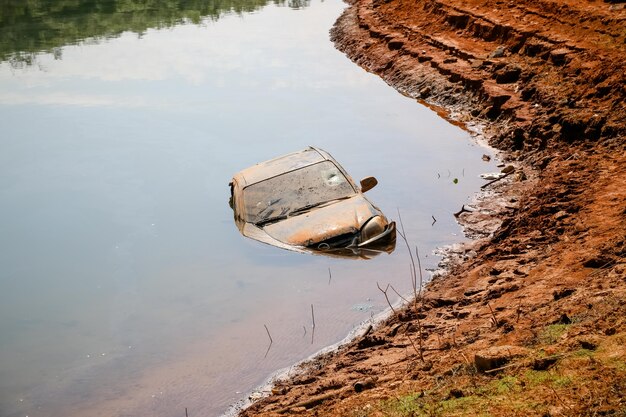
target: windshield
<point>312,185</point>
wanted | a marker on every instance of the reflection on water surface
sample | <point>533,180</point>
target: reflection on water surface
<point>30,27</point>
<point>126,290</point>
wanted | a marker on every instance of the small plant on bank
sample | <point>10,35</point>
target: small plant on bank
<point>535,378</point>
<point>552,333</point>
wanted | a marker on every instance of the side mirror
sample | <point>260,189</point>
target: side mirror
<point>368,183</point>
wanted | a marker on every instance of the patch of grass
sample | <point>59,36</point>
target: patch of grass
<point>563,381</point>
<point>618,364</point>
<point>412,405</point>
<point>459,405</point>
<point>505,385</point>
<point>501,386</point>
<point>528,407</point>
<point>497,398</point>
<point>552,333</point>
<point>535,378</point>
<point>612,352</point>
<point>423,406</point>
<point>584,353</point>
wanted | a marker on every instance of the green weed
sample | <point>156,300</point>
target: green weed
<point>584,353</point>
<point>552,333</point>
<point>412,405</point>
<point>535,378</point>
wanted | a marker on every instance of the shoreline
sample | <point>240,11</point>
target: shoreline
<point>450,255</point>
<point>529,320</point>
<point>474,227</point>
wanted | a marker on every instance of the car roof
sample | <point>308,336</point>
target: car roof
<point>280,165</point>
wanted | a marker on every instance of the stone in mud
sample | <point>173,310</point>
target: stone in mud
<point>596,262</point>
<point>472,291</point>
<point>542,364</point>
<point>590,342</point>
<point>561,215</point>
<point>559,56</point>
<point>500,99</point>
<point>370,341</point>
<point>520,176</point>
<point>361,386</point>
<point>458,20</point>
<point>508,169</point>
<point>497,356</point>
<point>498,52</point>
<point>395,44</point>
<point>564,319</point>
<point>565,292</point>
<point>572,127</point>
<point>508,74</point>
<point>441,302</point>
<point>456,393</point>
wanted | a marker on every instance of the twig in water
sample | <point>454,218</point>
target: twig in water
<point>398,294</point>
<point>186,415</point>
<point>386,297</point>
<point>330,276</point>
<point>271,341</point>
<point>268,333</point>
<point>304,327</point>
<point>417,296</point>
<point>406,242</point>
<point>463,210</point>
<point>313,329</point>
<point>419,268</point>
<point>434,220</point>
<point>496,180</point>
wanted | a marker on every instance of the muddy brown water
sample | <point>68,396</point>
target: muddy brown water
<point>126,287</point>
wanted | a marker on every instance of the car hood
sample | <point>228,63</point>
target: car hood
<point>321,223</point>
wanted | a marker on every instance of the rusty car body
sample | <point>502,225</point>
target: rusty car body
<point>306,202</point>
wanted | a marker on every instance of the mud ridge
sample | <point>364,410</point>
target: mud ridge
<point>533,84</point>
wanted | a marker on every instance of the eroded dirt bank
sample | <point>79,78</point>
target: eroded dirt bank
<point>534,321</point>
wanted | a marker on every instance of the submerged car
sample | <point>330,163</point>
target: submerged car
<point>306,202</point>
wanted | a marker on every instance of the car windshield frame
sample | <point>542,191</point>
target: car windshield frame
<point>295,192</point>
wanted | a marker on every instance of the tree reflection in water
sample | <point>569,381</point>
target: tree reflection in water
<point>45,26</point>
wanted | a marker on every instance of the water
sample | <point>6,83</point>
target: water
<point>126,288</point>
